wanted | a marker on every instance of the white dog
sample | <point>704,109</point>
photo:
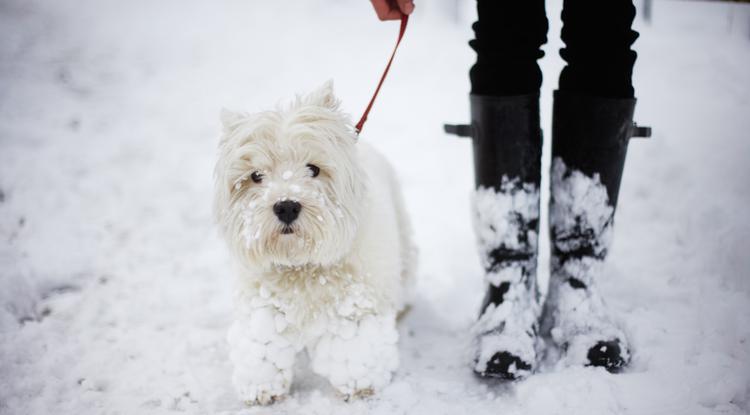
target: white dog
<point>316,223</point>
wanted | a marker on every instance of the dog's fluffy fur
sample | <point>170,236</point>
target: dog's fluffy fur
<point>334,280</point>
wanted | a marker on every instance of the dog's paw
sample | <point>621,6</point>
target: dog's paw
<point>257,395</point>
<point>265,400</point>
<point>357,394</point>
<point>359,361</point>
<point>262,358</point>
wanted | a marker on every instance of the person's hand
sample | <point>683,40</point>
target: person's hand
<point>392,9</point>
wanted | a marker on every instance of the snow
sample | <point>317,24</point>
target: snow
<point>581,207</point>
<point>361,361</point>
<point>576,319</point>
<point>263,359</point>
<point>116,290</point>
<point>502,219</point>
<point>516,316</point>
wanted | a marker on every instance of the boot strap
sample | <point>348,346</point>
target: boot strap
<point>460,130</point>
<point>636,131</point>
<point>465,130</point>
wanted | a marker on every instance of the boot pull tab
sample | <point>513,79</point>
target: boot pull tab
<point>636,131</point>
<point>460,130</point>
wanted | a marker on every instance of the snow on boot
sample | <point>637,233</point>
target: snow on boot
<point>507,144</point>
<point>589,142</point>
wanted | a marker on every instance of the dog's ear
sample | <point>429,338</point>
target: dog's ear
<point>230,119</point>
<point>324,96</point>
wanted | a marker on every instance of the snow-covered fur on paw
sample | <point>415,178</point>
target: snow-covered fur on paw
<point>358,359</point>
<point>575,316</point>
<point>323,246</point>
<point>262,356</point>
<point>505,223</point>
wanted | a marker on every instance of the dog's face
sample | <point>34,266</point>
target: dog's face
<point>288,186</point>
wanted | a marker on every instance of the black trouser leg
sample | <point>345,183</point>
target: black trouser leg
<point>590,137</point>
<point>598,39</point>
<point>592,123</point>
<point>507,143</point>
<point>505,82</point>
<point>508,40</point>
<point>507,138</point>
<point>593,108</point>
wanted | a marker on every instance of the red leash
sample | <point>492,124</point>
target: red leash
<point>361,123</point>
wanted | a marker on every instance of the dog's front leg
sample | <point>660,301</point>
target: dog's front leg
<point>262,357</point>
<point>358,357</point>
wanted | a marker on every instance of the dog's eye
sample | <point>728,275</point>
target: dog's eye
<point>256,177</point>
<point>315,170</point>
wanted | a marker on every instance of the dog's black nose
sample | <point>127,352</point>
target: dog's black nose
<point>287,211</point>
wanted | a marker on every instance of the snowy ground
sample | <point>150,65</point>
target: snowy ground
<point>115,290</point>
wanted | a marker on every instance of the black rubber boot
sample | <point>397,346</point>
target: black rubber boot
<point>590,137</point>
<point>507,142</point>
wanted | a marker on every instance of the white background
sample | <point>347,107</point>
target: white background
<point>115,289</point>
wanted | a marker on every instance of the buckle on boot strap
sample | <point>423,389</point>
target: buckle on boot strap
<point>461,130</point>
<point>636,131</point>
